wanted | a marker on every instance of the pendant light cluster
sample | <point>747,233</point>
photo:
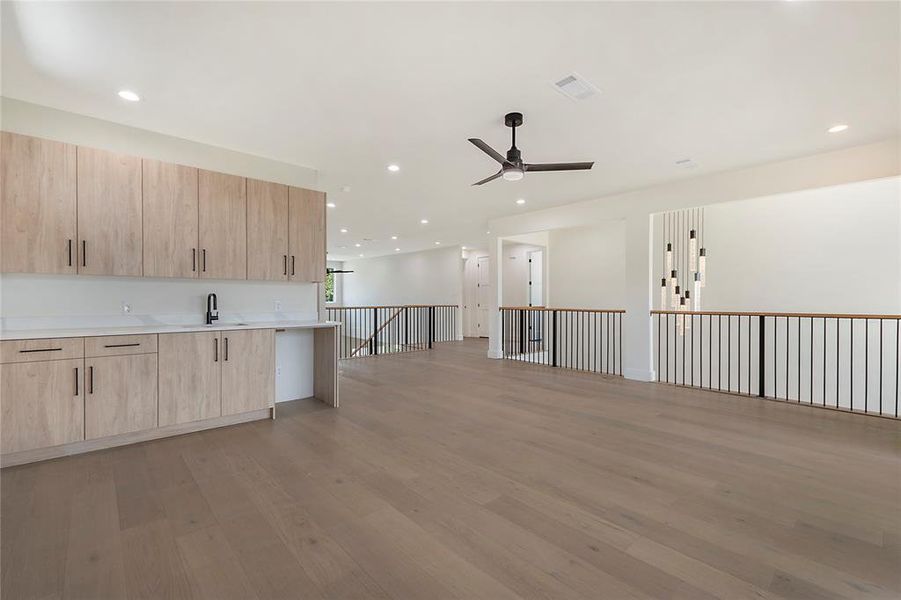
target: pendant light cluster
<point>685,263</point>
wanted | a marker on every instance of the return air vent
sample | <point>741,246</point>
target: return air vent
<point>575,87</point>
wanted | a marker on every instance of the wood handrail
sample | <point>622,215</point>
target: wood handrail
<point>725,313</point>
<point>552,309</point>
<point>393,306</point>
<point>376,332</point>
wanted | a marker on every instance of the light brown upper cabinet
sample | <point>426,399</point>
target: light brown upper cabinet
<point>267,230</point>
<point>170,220</point>
<point>223,226</point>
<point>37,205</point>
<point>109,213</point>
<point>306,235</point>
<point>248,370</point>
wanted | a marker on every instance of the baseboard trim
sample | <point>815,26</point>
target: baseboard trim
<point>639,375</point>
<point>39,454</point>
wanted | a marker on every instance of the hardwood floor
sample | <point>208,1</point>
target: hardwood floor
<point>448,475</point>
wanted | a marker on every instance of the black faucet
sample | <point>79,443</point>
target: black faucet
<point>212,304</point>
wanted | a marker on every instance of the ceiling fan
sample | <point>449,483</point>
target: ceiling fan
<point>512,167</point>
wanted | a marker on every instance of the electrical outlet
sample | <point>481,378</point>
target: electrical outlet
<point>278,371</point>
<point>278,306</point>
<point>126,307</point>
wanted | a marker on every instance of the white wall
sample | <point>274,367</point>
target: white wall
<point>427,277</point>
<point>835,249</point>
<point>516,273</point>
<point>861,163</point>
<point>587,266</point>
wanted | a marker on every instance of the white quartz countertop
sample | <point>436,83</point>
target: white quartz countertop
<point>34,334</point>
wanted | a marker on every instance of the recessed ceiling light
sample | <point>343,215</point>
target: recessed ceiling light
<point>343,230</point>
<point>520,201</point>
<point>393,237</point>
<point>437,243</point>
<point>488,232</point>
<point>397,249</point>
<point>837,128</point>
<point>464,247</point>
<point>424,221</point>
<point>393,168</point>
<point>362,255</point>
<point>358,245</point>
<point>331,204</point>
<point>129,95</point>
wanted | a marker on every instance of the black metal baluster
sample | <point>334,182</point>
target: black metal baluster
<point>787,348</point>
<point>729,357</point>
<point>719,352</point>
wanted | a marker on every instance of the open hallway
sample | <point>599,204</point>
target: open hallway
<point>476,478</point>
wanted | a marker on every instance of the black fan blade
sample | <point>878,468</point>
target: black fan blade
<point>488,150</point>
<point>579,166</point>
<point>492,178</point>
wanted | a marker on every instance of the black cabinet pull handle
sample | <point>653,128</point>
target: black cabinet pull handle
<point>193,259</point>
<point>69,251</point>
<point>226,348</point>
<point>215,349</point>
<point>285,261</point>
<point>120,345</point>
<point>76,381</point>
<point>91,379</point>
<point>84,253</point>
<point>41,350</point>
<point>204,260</point>
<point>292,264</point>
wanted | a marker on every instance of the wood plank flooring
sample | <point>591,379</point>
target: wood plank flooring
<point>448,475</point>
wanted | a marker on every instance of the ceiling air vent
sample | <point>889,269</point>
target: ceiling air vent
<point>575,87</point>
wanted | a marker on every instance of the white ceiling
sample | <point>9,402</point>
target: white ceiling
<point>348,88</point>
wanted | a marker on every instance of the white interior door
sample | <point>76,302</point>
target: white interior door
<point>483,293</point>
<point>536,278</point>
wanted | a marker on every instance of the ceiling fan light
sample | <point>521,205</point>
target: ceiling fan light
<point>513,174</point>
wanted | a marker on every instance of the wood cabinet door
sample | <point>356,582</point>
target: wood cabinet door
<point>267,231</point>
<point>37,205</point>
<point>120,395</point>
<point>109,213</point>
<point>42,404</point>
<point>223,225</point>
<point>306,235</point>
<point>189,377</point>
<point>170,219</point>
<point>248,370</point>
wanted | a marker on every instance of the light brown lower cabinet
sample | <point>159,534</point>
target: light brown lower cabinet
<point>42,404</point>
<point>190,370</point>
<point>120,394</point>
<point>248,370</point>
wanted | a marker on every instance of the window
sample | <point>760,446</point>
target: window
<point>330,287</point>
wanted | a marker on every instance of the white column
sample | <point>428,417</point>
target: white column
<point>638,349</point>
